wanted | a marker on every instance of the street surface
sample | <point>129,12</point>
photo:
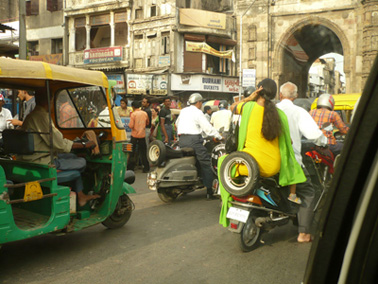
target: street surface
<point>162,243</point>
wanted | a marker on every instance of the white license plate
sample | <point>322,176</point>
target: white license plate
<point>238,214</point>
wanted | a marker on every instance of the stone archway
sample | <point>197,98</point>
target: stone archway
<point>302,44</point>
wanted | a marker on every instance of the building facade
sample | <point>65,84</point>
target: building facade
<point>156,47</point>
<point>282,38</point>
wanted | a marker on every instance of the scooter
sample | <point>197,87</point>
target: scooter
<point>258,204</point>
<point>176,172</point>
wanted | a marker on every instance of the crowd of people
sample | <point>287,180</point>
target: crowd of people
<point>273,133</point>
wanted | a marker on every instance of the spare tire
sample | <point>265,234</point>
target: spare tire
<point>241,185</point>
<point>156,153</point>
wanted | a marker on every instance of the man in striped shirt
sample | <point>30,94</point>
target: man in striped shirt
<point>326,118</point>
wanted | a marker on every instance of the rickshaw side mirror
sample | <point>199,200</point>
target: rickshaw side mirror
<point>129,177</point>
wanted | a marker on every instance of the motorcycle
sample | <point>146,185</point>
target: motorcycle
<point>176,172</point>
<point>260,204</point>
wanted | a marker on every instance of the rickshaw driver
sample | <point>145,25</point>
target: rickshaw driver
<point>38,121</point>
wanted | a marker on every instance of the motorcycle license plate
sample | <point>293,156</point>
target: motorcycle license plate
<point>238,214</point>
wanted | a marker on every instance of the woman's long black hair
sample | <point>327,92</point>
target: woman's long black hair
<point>271,127</point>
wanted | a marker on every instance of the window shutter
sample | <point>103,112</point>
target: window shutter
<point>49,5</point>
<point>34,10</point>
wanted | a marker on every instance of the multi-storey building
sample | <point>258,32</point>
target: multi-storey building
<point>156,47</point>
<point>45,30</point>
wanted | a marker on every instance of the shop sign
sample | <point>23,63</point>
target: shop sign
<point>50,58</point>
<point>212,84</point>
<point>159,85</point>
<point>230,85</point>
<point>204,83</point>
<point>203,47</point>
<point>202,18</point>
<point>249,77</point>
<point>138,84</point>
<point>120,85</point>
<point>103,55</point>
<point>164,60</point>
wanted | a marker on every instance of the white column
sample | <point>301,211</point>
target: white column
<point>72,39</point>
<point>88,29</point>
<point>112,29</point>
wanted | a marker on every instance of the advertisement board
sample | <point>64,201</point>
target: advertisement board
<point>103,55</point>
<point>204,83</point>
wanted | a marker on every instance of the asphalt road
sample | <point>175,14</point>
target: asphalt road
<point>162,243</point>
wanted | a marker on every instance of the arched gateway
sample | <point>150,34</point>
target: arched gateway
<point>302,44</point>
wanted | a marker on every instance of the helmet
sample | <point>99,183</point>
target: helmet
<point>194,98</point>
<point>327,101</point>
<point>248,91</point>
<point>223,104</point>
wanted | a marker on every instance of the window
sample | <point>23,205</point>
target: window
<point>153,11</point>
<point>32,7</point>
<point>100,36</point>
<point>54,5</point>
<point>252,33</point>
<point>33,48</point>
<point>80,39</point>
<point>138,14</point>
<point>187,3</point>
<point>80,34</point>
<point>56,45</point>
<point>165,43</point>
<point>121,29</point>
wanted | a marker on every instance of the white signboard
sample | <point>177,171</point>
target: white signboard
<point>249,77</point>
<point>204,83</point>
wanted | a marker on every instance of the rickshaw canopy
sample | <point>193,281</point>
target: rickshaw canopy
<point>33,74</point>
<point>342,101</point>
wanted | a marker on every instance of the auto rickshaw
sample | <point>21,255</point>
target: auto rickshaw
<point>36,199</point>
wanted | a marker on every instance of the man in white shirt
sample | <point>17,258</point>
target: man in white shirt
<point>301,123</point>
<point>190,124</point>
<point>5,117</point>
<point>222,118</point>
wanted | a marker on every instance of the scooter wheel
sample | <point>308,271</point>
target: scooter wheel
<point>167,195</point>
<point>156,152</point>
<point>239,185</point>
<point>249,236</point>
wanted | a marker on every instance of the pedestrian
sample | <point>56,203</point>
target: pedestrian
<point>28,104</point>
<point>301,124</point>
<point>190,124</point>
<point>326,119</point>
<point>138,122</point>
<point>207,111</point>
<point>165,119</point>
<point>5,118</point>
<point>222,118</point>
<point>146,107</point>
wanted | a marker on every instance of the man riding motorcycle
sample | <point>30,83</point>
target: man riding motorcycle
<point>190,124</point>
<point>325,114</point>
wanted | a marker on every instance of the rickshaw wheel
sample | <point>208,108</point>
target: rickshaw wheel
<point>121,214</point>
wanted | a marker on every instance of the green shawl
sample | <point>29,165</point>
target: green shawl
<point>290,171</point>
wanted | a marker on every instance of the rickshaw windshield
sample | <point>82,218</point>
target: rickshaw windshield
<point>84,107</point>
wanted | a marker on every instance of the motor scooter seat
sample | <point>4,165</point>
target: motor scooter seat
<point>187,152</point>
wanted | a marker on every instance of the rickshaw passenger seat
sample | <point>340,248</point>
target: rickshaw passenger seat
<point>67,176</point>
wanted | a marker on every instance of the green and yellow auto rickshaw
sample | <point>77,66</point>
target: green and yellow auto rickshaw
<point>36,199</point>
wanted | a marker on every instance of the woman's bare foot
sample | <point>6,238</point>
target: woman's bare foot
<point>83,198</point>
<point>304,238</point>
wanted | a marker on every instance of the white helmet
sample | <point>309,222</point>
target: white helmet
<point>327,101</point>
<point>194,98</point>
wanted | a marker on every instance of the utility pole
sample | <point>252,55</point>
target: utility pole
<point>240,48</point>
<point>22,30</point>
